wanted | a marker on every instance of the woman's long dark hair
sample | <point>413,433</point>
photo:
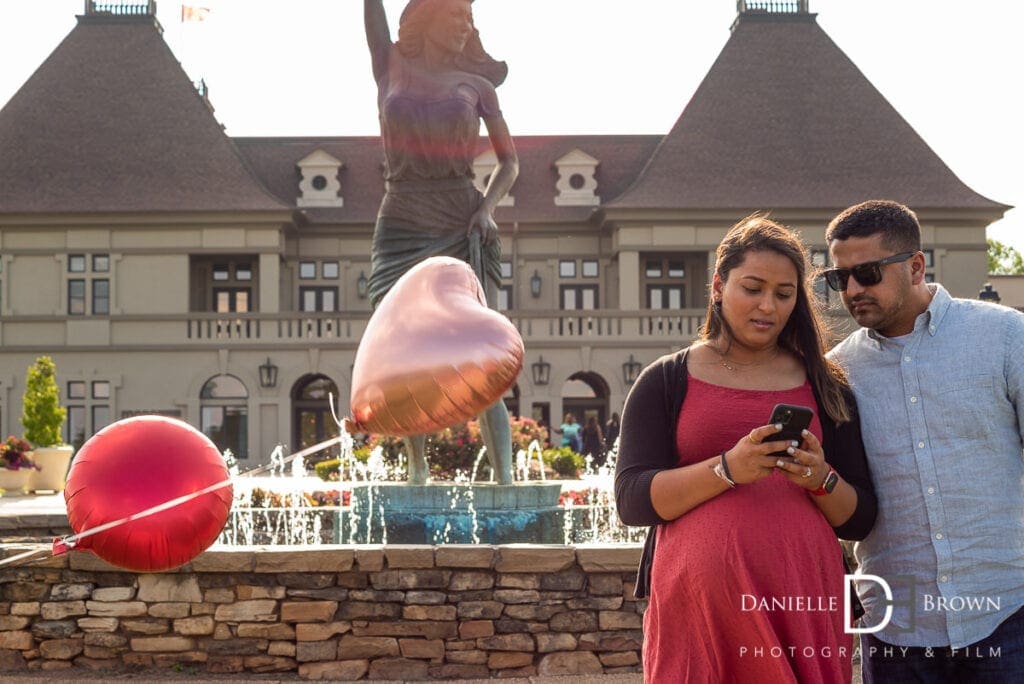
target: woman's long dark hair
<point>806,332</point>
<point>474,59</point>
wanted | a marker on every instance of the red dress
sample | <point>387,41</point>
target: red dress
<point>746,587</point>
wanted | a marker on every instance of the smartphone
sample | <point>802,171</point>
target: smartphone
<point>795,419</point>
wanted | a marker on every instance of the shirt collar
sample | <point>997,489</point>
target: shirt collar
<point>930,319</point>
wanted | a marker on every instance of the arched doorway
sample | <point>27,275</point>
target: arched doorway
<point>312,421</point>
<point>585,394</point>
<point>224,414</point>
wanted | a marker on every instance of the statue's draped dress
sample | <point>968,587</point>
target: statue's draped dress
<point>430,139</point>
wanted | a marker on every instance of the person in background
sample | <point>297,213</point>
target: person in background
<point>593,440</point>
<point>742,520</point>
<point>940,382</point>
<point>611,432</point>
<point>570,431</point>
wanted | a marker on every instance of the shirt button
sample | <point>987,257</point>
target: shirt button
<point>913,400</point>
<point>931,490</point>
<point>920,445</point>
<point>944,578</point>
<point>938,535</point>
<point>906,358</point>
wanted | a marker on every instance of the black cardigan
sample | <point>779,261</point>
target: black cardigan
<point>647,446</point>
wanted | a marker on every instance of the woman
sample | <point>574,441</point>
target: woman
<point>570,431</point>
<point>433,87</point>
<point>743,567</point>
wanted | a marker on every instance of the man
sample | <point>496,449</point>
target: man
<point>939,383</point>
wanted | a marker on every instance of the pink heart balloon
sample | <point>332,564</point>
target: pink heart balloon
<point>433,355</point>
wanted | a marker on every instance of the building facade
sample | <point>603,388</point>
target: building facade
<point>169,268</point>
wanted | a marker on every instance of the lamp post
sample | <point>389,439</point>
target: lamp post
<point>268,374</point>
<point>541,371</point>
<point>631,371</point>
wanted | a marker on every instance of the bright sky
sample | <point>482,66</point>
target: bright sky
<point>953,69</point>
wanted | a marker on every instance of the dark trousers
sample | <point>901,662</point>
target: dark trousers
<point>996,659</point>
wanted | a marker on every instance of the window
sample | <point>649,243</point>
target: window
<point>318,298</point>
<point>88,295</point>
<point>221,272</point>
<point>101,297</point>
<point>505,298</point>
<point>506,270</point>
<point>224,414</point>
<point>243,272</point>
<point>665,281</point>
<point>819,260</point>
<point>576,297</point>
<point>231,300</point>
<point>76,297</point>
<point>88,413</point>
<point>314,297</point>
<point>567,269</point>
<point>589,268</point>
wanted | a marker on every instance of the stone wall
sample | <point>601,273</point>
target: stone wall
<point>376,612</point>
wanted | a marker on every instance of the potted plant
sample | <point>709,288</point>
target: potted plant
<point>42,417</point>
<point>16,464</point>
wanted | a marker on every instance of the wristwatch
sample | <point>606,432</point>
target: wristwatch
<point>831,480</point>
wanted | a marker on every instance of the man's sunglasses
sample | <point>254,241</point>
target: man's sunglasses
<point>867,274</point>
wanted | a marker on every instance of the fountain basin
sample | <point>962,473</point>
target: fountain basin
<point>453,513</point>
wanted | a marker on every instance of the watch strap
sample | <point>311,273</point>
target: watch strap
<point>828,485</point>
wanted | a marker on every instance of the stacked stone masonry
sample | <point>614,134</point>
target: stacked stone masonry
<point>343,613</point>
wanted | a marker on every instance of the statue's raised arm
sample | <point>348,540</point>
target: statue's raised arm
<point>378,36</point>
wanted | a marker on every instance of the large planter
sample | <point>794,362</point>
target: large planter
<point>54,463</point>
<point>15,482</point>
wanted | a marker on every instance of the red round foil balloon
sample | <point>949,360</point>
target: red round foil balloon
<point>433,355</point>
<point>133,465</point>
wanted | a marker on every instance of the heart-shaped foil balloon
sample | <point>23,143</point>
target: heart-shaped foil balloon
<point>433,355</point>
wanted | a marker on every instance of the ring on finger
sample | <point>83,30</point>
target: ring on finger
<point>750,436</point>
<point>807,472</point>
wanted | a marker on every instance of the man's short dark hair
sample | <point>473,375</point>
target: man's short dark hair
<point>897,224</point>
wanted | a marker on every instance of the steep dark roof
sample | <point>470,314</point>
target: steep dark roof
<point>620,158</point>
<point>110,122</point>
<point>785,119</point>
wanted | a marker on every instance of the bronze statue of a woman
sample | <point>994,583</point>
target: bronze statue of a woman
<point>433,87</point>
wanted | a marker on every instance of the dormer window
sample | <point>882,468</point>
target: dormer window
<point>318,184</point>
<point>483,167</point>
<point>576,184</point>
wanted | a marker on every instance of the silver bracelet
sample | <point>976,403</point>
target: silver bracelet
<point>722,471</point>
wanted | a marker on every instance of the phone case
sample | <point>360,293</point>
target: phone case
<point>795,419</point>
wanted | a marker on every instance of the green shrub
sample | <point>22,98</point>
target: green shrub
<point>564,461</point>
<point>41,413</point>
<point>328,470</point>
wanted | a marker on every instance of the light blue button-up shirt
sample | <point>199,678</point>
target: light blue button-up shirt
<point>941,412</point>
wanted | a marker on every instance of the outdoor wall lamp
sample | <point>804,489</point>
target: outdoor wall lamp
<point>268,374</point>
<point>535,283</point>
<point>361,285</point>
<point>541,371</point>
<point>631,370</point>
<point>987,294</point>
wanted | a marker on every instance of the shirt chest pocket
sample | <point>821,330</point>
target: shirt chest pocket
<point>962,404</point>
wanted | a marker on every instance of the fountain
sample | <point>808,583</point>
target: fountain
<point>372,504</point>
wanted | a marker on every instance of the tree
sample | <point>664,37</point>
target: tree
<point>41,412</point>
<point>1004,259</point>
